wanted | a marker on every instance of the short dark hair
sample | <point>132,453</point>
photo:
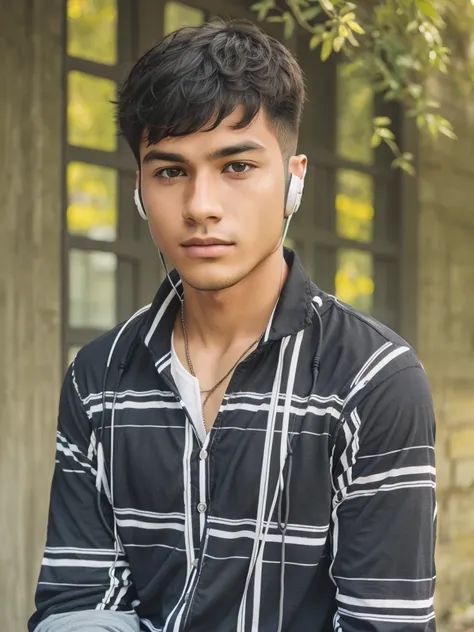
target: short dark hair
<point>197,76</point>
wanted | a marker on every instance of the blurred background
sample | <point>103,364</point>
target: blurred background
<point>76,259</point>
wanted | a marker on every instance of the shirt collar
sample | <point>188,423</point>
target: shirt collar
<point>294,310</point>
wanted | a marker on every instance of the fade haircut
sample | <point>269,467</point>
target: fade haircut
<point>197,76</point>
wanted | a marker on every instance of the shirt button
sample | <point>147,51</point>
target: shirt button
<point>202,507</point>
<point>195,563</point>
<point>203,455</point>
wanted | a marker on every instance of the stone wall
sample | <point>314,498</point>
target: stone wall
<point>31,114</point>
<point>446,335</point>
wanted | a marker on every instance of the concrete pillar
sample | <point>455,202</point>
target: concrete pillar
<point>31,121</point>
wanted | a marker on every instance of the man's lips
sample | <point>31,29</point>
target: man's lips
<point>206,247</point>
<point>206,241</point>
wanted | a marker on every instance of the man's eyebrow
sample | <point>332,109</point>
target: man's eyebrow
<point>166,156</point>
<point>232,150</point>
<point>224,152</point>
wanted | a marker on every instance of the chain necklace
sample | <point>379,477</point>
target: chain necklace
<point>209,391</point>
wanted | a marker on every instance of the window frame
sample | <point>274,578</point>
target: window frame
<point>137,261</point>
<point>394,244</point>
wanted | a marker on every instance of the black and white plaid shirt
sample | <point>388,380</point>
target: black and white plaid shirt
<point>189,536</point>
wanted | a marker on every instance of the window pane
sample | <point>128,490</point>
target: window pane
<point>92,30</point>
<point>355,205</point>
<point>92,289</point>
<point>354,114</point>
<point>90,112</point>
<point>354,278</point>
<point>178,15</point>
<point>92,201</point>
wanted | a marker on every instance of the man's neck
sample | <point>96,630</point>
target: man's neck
<point>221,319</point>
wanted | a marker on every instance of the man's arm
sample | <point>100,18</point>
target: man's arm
<point>90,621</point>
<point>83,569</point>
<point>384,511</point>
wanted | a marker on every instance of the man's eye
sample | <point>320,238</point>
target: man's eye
<point>238,167</point>
<point>170,173</point>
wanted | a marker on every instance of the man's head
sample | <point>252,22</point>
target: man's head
<point>212,116</point>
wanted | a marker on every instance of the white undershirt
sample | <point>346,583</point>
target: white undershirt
<point>188,387</point>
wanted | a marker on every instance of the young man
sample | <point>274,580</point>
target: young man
<point>247,453</point>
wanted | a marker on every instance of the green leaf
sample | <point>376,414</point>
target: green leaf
<point>326,48</point>
<point>310,14</point>
<point>343,31</point>
<point>420,121</point>
<point>415,90</point>
<point>404,162</point>
<point>348,17</point>
<point>447,131</point>
<point>404,165</point>
<point>428,9</point>
<point>352,39</point>
<point>382,121</point>
<point>393,146</point>
<point>349,6</point>
<point>327,5</point>
<point>386,133</point>
<point>356,27</point>
<point>274,19</point>
<point>338,43</point>
<point>375,140</point>
<point>315,41</point>
<point>443,67</point>
<point>262,8</point>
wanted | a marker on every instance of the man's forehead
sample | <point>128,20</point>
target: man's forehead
<point>258,135</point>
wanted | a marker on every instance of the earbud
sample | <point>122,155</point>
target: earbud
<point>295,193</point>
<point>139,204</point>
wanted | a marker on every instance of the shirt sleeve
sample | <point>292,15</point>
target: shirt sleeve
<point>91,621</point>
<point>83,567</point>
<point>384,509</point>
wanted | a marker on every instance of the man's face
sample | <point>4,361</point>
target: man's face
<point>215,200</point>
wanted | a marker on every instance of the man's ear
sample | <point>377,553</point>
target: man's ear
<point>298,165</point>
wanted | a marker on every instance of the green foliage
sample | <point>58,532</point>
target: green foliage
<point>400,44</point>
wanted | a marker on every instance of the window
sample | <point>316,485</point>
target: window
<point>177,15</point>
<point>92,30</point>
<point>347,233</point>
<point>111,264</point>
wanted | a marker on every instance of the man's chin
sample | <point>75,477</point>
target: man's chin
<point>211,285</point>
<point>218,275</point>
<point>212,281</point>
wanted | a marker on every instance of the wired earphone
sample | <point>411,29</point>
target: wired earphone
<point>294,195</point>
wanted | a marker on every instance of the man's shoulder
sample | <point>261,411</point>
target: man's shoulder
<point>360,352</point>
<point>107,352</point>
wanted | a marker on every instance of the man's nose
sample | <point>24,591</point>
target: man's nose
<point>204,200</point>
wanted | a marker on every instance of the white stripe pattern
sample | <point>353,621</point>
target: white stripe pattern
<point>181,528</point>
